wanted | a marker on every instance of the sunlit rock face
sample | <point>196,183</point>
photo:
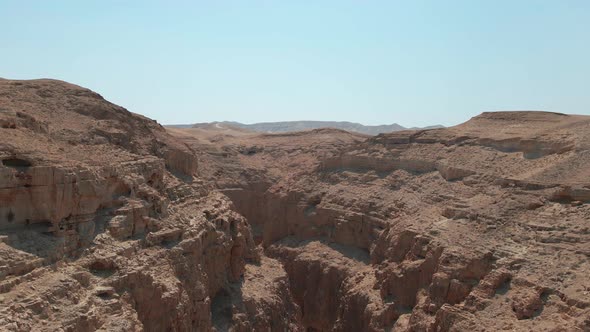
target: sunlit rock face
<point>476,227</point>
<point>108,221</point>
<point>104,223</point>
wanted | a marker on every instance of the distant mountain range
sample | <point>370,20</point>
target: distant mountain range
<point>287,126</point>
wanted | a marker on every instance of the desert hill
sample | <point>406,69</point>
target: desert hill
<point>109,221</point>
<point>290,126</point>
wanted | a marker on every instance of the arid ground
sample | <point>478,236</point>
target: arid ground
<point>110,221</point>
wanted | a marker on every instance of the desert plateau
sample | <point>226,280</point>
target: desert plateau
<point>110,221</point>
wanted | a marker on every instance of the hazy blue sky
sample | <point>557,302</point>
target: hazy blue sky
<point>412,62</point>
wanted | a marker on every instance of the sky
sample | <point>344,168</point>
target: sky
<point>415,63</point>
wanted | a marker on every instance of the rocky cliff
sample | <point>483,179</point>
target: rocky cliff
<point>478,227</point>
<point>105,224</point>
<point>110,222</point>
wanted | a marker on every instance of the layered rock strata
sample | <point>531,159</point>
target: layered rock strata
<point>108,222</point>
<point>477,227</point>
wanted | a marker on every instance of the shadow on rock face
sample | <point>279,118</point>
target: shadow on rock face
<point>17,163</point>
<point>221,311</point>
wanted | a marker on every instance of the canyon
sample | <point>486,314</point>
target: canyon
<point>111,222</point>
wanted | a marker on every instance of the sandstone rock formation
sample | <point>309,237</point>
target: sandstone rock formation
<point>104,224</point>
<point>110,222</point>
<point>478,227</point>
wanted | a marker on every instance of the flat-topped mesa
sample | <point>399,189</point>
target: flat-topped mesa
<point>535,134</point>
<point>526,124</point>
<point>524,115</point>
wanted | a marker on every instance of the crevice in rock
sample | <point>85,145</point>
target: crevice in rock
<point>221,310</point>
<point>17,163</point>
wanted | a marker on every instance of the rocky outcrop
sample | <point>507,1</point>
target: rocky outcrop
<point>431,230</point>
<point>108,222</point>
<point>262,302</point>
<point>109,229</point>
